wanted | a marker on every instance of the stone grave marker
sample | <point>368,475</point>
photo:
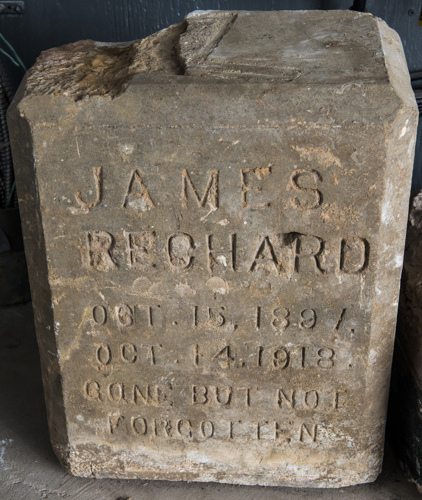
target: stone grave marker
<point>214,220</point>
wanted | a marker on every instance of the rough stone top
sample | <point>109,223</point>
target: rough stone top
<point>303,47</point>
<point>285,45</point>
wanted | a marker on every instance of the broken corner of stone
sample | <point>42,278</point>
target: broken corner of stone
<point>214,222</point>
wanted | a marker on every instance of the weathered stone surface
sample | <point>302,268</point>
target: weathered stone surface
<point>215,249</point>
<point>405,418</point>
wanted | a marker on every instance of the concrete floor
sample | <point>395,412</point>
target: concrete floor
<point>30,471</point>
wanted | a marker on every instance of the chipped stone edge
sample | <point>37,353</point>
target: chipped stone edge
<point>80,462</point>
<point>32,228</point>
<point>399,156</point>
<point>88,68</point>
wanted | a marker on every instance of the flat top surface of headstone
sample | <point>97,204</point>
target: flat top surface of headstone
<point>215,246</point>
<point>309,45</point>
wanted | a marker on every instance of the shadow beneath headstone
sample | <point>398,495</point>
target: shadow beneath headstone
<point>22,411</point>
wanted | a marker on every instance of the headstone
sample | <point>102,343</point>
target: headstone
<point>214,221</point>
<point>404,414</point>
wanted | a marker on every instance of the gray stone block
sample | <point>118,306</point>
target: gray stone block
<point>214,220</point>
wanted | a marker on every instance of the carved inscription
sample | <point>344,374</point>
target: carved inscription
<point>264,354</point>
<point>99,244</point>
<point>210,194</point>
<point>139,249</point>
<point>308,432</point>
<point>277,432</point>
<point>127,353</point>
<point>86,206</point>
<point>228,357</point>
<point>298,182</point>
<point>284,255</point>
<point>353,255</point>
<point>139,198</point>
<point>179,251</point>
<point>227,259</point>
<point>260,173</point>
<point>136,394</point>
<point>290,399</point>
<point>284,397</point>
<point>303,185</point>
<point>265,256</point>
<point>99,315</point>
<point>278,319</point>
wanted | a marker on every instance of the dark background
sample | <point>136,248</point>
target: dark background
<point>50,23</point>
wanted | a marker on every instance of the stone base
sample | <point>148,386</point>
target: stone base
<point>104,462</point>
